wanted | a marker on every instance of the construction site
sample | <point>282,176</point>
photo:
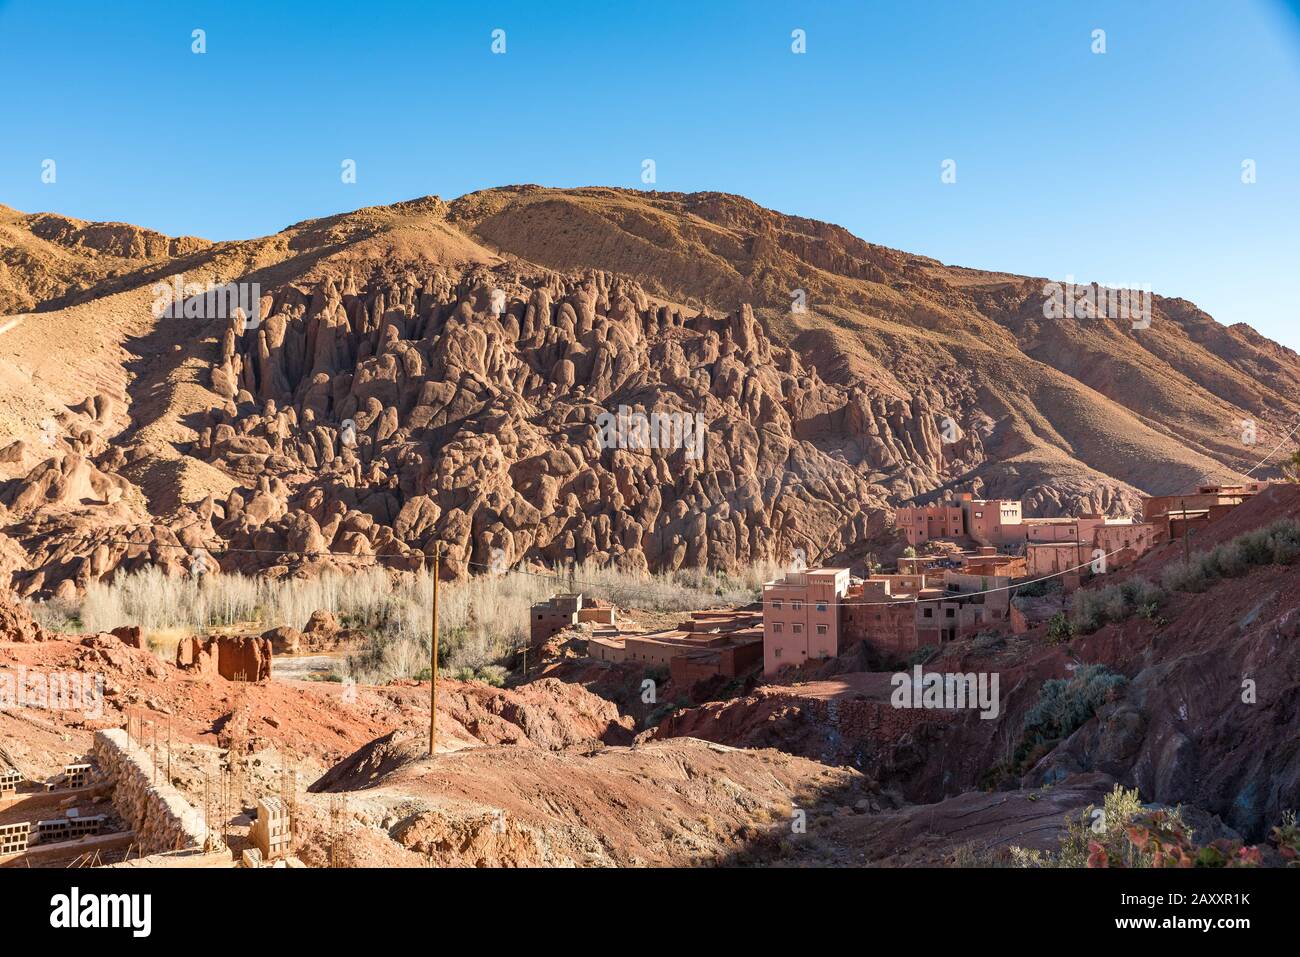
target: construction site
<point>122,808</point>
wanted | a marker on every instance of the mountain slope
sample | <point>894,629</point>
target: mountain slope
<point>477,425</point>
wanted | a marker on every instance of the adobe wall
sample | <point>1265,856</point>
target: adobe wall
<point>686,670</point>
<point>877,721</point>
<point>233,657</point>
<point>158,814</point>
<point>889,628</point>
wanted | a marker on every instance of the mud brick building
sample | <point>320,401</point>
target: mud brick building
<point>563,611</point>
<point>703,631</point>
<point>872,612</point>
<point>895,614</point>
<point>801,617</point>
<point>709,643</point>
<point>923,523</point>
<point>1178,514</point>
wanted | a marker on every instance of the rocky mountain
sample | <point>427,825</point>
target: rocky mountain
<point>471,373</point>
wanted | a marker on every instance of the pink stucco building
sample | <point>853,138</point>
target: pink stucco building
<point>923,523</point>
<point>993,521</point>
<point>801,617</point>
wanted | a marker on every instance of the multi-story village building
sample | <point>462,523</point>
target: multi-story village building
<point>994,521</point>
<point>896,614</point>
<point>924,523</point>
<point>1109,544</point>
<point>801,616</point>
<point>886,619</point>
<point>984,521</point>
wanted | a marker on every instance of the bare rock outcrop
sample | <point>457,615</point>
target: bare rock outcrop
<point>16,622</point>
<point>581,421</point>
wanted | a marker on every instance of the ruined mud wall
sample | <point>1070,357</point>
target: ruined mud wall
<point>161,818</point>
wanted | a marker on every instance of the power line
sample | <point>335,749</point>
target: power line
<point>1279,445</point>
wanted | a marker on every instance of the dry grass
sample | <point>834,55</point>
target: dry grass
<point>483,620</point>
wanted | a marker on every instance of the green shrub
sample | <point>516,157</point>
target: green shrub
<point>1114,603</point>
<point>987,640</point>
<point>921,655</point>
<point>1124,833</point>
<point>493,675</point>
<point>1063,705</point>
<point>1059,628</point>
<point>1039,588</point>
<point>1278,543</point>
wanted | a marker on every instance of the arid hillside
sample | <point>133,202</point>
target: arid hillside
<point>434,371</point>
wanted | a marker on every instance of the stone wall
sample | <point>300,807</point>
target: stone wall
<point>876,721</point>
<point>160,816</point>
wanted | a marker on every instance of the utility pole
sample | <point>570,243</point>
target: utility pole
<point>1187,553</point>
<point>433,670</point>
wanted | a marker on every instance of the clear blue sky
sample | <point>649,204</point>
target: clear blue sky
<point>1122,167</point>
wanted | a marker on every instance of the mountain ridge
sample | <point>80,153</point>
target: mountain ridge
<point>613,295</point>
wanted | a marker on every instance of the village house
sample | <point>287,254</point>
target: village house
<point>1112,544</point>
<point>895,613</point>
<point>1176,515</point>
<point>875,613</point>
<point>801,616</point>
<point>924,523</point>
<point>726,643</point>
<point>994,521</point>
<point>562,611</point>
<point>987,560</point>
<point>987,522</point>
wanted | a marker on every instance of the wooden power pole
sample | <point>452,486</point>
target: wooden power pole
<point>433,670</point>
<point>1187,549</point>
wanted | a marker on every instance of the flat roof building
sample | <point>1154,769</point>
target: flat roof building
<point>801,617</point>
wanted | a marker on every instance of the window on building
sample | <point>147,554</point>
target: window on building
<point>949,612</point>
<point>776,603</point>
<point>928,612</point>
<point>797,605</point>
<point>797,628</point>
<point>821,605</point>
<point>821,629</point>
<point>776,653</point>
<point>979,514</point>
<point>776,628</point>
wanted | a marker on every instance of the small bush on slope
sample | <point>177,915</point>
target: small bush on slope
<point>1063,705</point>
